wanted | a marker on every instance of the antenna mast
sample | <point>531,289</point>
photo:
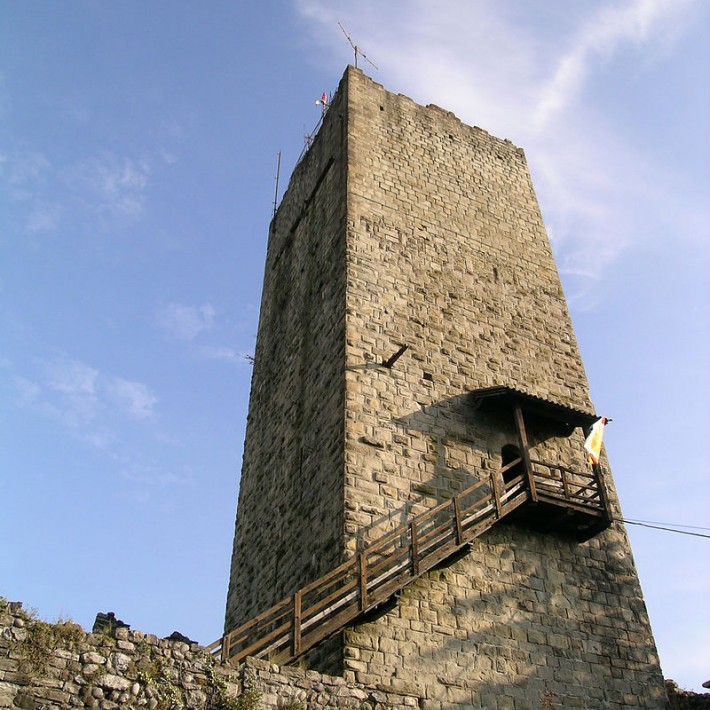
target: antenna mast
<point>276,192</point>
<point>356,49</point>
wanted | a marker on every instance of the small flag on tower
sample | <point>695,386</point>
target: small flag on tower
<point>323,102</point>
<point>593,443</point>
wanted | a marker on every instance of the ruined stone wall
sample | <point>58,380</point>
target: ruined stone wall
<point>47,666</point>
<point>680,699</point>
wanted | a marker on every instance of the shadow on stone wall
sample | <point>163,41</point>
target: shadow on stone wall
<point>514,643</point>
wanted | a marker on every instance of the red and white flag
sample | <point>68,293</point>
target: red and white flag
<point>593,443</point>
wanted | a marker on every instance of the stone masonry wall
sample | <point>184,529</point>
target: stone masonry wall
<point>447,254</point>
<point>289,522</point>
<point>403,226</point>
<point>47,666</point>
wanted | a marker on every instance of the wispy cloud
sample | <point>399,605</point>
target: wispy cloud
<point>25,168</point>
<point>43,217</point>
<point>71,377</point>
<point>69,392</point>
<point>111,183</point>
<point>87,402</point>
<point>604,33</point>
<point>186,322</point>
<point>86,190</point>
<point>482,61</point>
<point>133,398</point>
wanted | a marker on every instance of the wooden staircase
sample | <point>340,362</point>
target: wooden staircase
<point>545,497</point>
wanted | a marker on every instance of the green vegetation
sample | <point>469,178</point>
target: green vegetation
<point>250,699</point>
<point>42,639</point>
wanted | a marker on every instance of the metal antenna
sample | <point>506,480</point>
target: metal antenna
<point>276,192</point>
<point>356,49</point>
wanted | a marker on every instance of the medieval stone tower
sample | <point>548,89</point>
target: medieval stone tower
<point>401,227</point>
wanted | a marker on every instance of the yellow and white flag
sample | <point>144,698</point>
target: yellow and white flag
<point>593,443</point>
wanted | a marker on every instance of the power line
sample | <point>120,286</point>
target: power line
<point>665,528</point>
<point>675,525</point>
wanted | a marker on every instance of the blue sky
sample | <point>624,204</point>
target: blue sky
<point>138,149</point>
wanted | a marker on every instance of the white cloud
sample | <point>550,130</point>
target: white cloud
<point>133,398</point>
<point>186,322</point>
<point>531,79</point>
<point>78,396</point>
<point>43,218</point>
<point>26,168</point>
<point>71,377</point>
<point>111,183</point>
<point>604,33</point>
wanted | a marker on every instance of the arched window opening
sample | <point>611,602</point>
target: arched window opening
<point>510,453</point>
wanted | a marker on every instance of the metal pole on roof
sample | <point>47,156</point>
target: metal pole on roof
<point>276,192</point>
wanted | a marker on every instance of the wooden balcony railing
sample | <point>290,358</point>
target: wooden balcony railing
<point>384,567</point>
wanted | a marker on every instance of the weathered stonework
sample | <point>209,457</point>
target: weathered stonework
<point>403,226</point>
<point>47,666</point>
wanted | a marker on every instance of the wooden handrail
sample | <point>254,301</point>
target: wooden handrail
<point>321,608</point>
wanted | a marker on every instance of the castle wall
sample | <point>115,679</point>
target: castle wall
<point>46,666</point>
<point>59,665</point>
<point>447,253</point>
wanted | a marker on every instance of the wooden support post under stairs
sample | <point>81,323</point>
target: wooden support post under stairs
<point>297,623</point>
<point>363,579</point>
<point>524,452</point>
<point>414,545</point>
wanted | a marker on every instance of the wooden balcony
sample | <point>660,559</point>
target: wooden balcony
<point>546,497</point>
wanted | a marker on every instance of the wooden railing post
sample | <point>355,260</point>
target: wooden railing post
<point>457,518</point>
<point>565,482</point>
<point>363,580</point>
<point>524,452</point>
<point>496,493</point>
<point>603,498</point>
<point>414,546</point>
<point>297,623</point>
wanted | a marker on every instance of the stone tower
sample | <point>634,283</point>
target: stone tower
<point>401,227</point>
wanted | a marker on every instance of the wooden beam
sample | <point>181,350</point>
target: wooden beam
<point>457,516</point>
<point>603,498</point>
<point>524,451</point>
<point>297,623</point>
<point>496,493</point>
<point>414,544</point>
<point>363,580</point>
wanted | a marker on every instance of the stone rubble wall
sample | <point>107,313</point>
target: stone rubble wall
<point>45,666</point>
<point>680,699</point>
